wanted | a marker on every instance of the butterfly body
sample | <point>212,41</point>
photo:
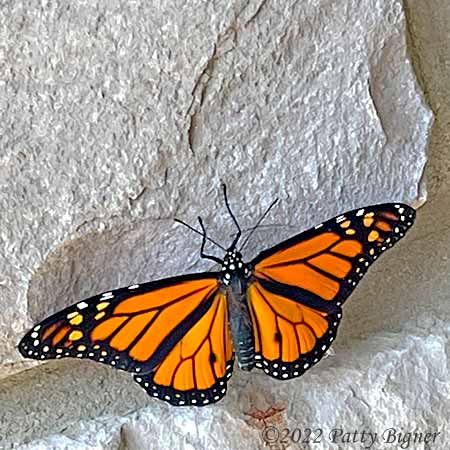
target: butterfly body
<point>278,313</point>
<point>240,323</point>
<point>235,275</point>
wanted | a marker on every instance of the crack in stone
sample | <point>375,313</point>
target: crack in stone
<point>87,223</point>
<point>202,82</point>
<point>206,74</point>
<point>421,196</point>
<point>257,12</point>
<point>374,103</point>
<point>145,186</point>
<point>123,438</point>
<point>360,399</point>
<point>134,199</point>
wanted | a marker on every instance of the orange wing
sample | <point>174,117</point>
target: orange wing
<point>141,327</point>
<point>289,336</point>
<point>299,286</point>
<point>196,370</point>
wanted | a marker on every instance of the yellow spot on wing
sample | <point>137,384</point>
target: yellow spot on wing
<point>368,221</point>
<point>72,314</point>
<point>102,305</point>
<point>75,335</point>
<point>350,231</point>
<point>373,236</point>
<point>76,320</point>
<point>100,315</point>
<point>345,224</point>
<point>81,348</point>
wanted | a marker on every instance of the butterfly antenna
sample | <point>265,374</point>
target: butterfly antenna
<point>202,248</point>
<point>238,235</point>
<point>258,223</point>
<point>200,233</point>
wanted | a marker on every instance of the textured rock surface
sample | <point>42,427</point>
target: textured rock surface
<point>367,387</point>
<point>115,119</point>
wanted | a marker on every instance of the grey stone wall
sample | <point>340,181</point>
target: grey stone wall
<point>116,118</point>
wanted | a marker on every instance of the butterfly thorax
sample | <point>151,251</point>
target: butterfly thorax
<point>235,275</point>
<point>233,266</point>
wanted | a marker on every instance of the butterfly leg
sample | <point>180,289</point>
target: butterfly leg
<point>202,248</point>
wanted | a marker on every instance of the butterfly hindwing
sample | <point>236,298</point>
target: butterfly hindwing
<point>196,370</point>
<point>300,285</point>
<point>131,328</point>
<point>289,336</point>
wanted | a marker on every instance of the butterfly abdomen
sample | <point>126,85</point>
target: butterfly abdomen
<point>241,326</point>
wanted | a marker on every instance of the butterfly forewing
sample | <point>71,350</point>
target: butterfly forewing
<point>299,285</point>
<point>131,328</point>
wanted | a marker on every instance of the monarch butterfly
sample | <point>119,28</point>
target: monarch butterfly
<point>279,313</point>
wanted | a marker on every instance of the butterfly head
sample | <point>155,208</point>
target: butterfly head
<point>233,265</point>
